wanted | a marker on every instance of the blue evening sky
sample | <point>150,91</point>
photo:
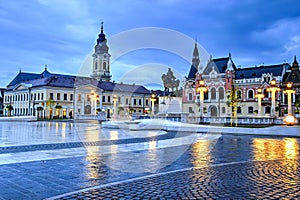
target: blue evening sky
<point>61,33</point>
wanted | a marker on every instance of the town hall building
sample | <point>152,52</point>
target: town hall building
<point>233,89</point>
<point>50,95</point>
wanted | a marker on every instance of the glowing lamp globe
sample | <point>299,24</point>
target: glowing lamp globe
<point>290,120</point>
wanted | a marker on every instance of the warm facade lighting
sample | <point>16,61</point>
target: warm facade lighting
<point>290,120</point>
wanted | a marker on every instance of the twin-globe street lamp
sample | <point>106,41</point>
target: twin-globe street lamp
<point>152,99</point>
<point>201,88</point>
<point>273,89</point>
<point>259,96</point>
<point>290,119</point>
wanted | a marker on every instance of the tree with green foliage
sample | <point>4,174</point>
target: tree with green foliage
<point>39,109</point>
<point>50,104</point>
<point>9,108</point>
<point>233,99</point>
<point>58,108</point>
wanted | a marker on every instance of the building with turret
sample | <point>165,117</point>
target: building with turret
<point>50,95</point>
<point>232,91</point>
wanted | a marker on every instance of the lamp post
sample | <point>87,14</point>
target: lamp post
<point>115,98</point>
<point>201,88</point>
<point>153,99</point>
<point>259,96</point>
<point>289,91</point>
<point>97,98</point>
<point>273,89</point>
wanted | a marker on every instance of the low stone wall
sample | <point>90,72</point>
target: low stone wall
<point>19,118</point>
<point>240,120</point>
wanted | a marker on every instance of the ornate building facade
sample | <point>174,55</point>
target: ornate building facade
<point>50,95</point>
<point>234,90</point>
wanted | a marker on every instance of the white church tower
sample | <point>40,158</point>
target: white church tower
<point>101,59</point>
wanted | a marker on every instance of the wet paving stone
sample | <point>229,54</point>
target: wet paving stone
<point>230,181</point>
<point>211,177</point>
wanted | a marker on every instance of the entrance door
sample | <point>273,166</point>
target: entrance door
<point>87,110</point>
<point>213,111</point>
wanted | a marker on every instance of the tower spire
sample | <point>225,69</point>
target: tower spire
<point>295,63</point>
<point>196,59</point>
<point>101,58</point>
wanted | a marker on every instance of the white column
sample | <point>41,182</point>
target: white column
<point>100,100</point>
<point>259,106</point>
<point>273,102</point>
<point>289,103</point>
<point>201,97</point>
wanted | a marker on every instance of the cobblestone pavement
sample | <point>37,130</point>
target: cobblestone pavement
<point>38,147</point>
<point>277,179</point>
<point>44,160</point>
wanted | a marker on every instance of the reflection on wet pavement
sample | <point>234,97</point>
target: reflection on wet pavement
<point>87,155</point>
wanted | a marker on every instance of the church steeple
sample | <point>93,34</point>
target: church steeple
<point>101,58</point>
<point>295,64</point>
<point>195,62</point>
<point>196,59</point>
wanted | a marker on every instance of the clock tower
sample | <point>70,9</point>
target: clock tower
<point>101,59</point>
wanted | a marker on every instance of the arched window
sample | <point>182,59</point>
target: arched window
<point>250,110</point>
<point>250,94</point>
<point>213,95</point>
<point>104,66</point>
<point>266,93</point>
<point>205,95</point>
<point>190,96</point>
<point>239,94</point>
<point>221,93</point>
<point>96,66</point>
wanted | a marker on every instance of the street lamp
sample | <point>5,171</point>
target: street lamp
<point>259,96</point>
<point>152,99</point>
<point>115,98</point>
<point>273,89</point>
<point>201,88</point>
<point>289,91</point>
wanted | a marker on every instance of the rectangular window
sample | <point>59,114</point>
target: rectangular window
<point>88,98</point>
<point>65,97</point>
<point>126,101</point>
<point>134,101</point>
<point>51,96</point>
<point>34,96</point>
<point>239,110</point>
<point>250,110</point>
<point>71,97</point>
<point>39,95</point>
<point>147,102</point>
<point>79,97</point>
<point>119,99</point>
<point>42,96</point>
<point>58,96</point>
<point>223,110</point>
<point>108,99</point>
<point>140,101</point>
<point>103,98</point>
